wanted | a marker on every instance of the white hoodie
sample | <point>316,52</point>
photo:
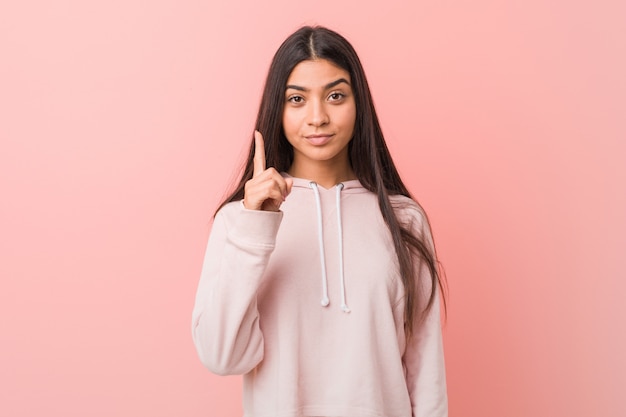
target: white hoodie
<point>308,304</point>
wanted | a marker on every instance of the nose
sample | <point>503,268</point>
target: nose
<point>318,116</point>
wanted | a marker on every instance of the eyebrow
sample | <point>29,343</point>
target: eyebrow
<point>326,87</point>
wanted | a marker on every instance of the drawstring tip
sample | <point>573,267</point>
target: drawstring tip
<point>345,308</point>
<point>325,301</point>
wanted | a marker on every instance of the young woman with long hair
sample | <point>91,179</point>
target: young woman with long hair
<point>320,282</point>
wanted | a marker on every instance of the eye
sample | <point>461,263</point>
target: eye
<point>295,99</point>
<point>336,96</point>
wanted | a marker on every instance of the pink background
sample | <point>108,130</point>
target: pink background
<point>121,123</point>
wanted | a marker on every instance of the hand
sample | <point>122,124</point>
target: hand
<point>267,189</point>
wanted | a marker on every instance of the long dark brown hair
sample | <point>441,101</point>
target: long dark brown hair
<point>368,152</point>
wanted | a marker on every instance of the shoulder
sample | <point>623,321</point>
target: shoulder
<point>236,210</point>
<point>409,212</point>
<point>228,210</point>
<point>412,217</point>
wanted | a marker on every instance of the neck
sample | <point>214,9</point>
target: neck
<point>325,174</point>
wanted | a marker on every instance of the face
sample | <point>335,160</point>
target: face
<point>319,114</point>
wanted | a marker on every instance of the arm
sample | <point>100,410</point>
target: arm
<point>425,368</point>
<point>424,355</point>
<point>225,320</point>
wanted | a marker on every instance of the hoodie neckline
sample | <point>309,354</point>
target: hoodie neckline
<point>350,186</point>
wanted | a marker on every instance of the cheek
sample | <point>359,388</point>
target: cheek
<point>290,122</point>
<point>348,118</point>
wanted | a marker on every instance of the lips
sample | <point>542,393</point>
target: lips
<point>319,140</point>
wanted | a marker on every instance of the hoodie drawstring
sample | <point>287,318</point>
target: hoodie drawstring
<point>320,234</point>
<point>344,306</point>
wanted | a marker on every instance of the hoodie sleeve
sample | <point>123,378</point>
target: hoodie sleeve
<point>424,355</point>
<point>225,319</point>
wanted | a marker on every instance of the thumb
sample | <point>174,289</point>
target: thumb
<point>289,183</point>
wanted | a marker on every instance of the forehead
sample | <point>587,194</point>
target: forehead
<point>316,73</point>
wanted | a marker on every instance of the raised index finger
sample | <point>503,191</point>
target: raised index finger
<point>259,154</point>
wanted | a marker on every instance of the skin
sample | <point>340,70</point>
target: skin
<point>267,189</point>
<point>318,121</point>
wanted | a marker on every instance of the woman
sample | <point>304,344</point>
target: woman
<point>320,280</point>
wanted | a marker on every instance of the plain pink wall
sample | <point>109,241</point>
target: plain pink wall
<point>121,123</point>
